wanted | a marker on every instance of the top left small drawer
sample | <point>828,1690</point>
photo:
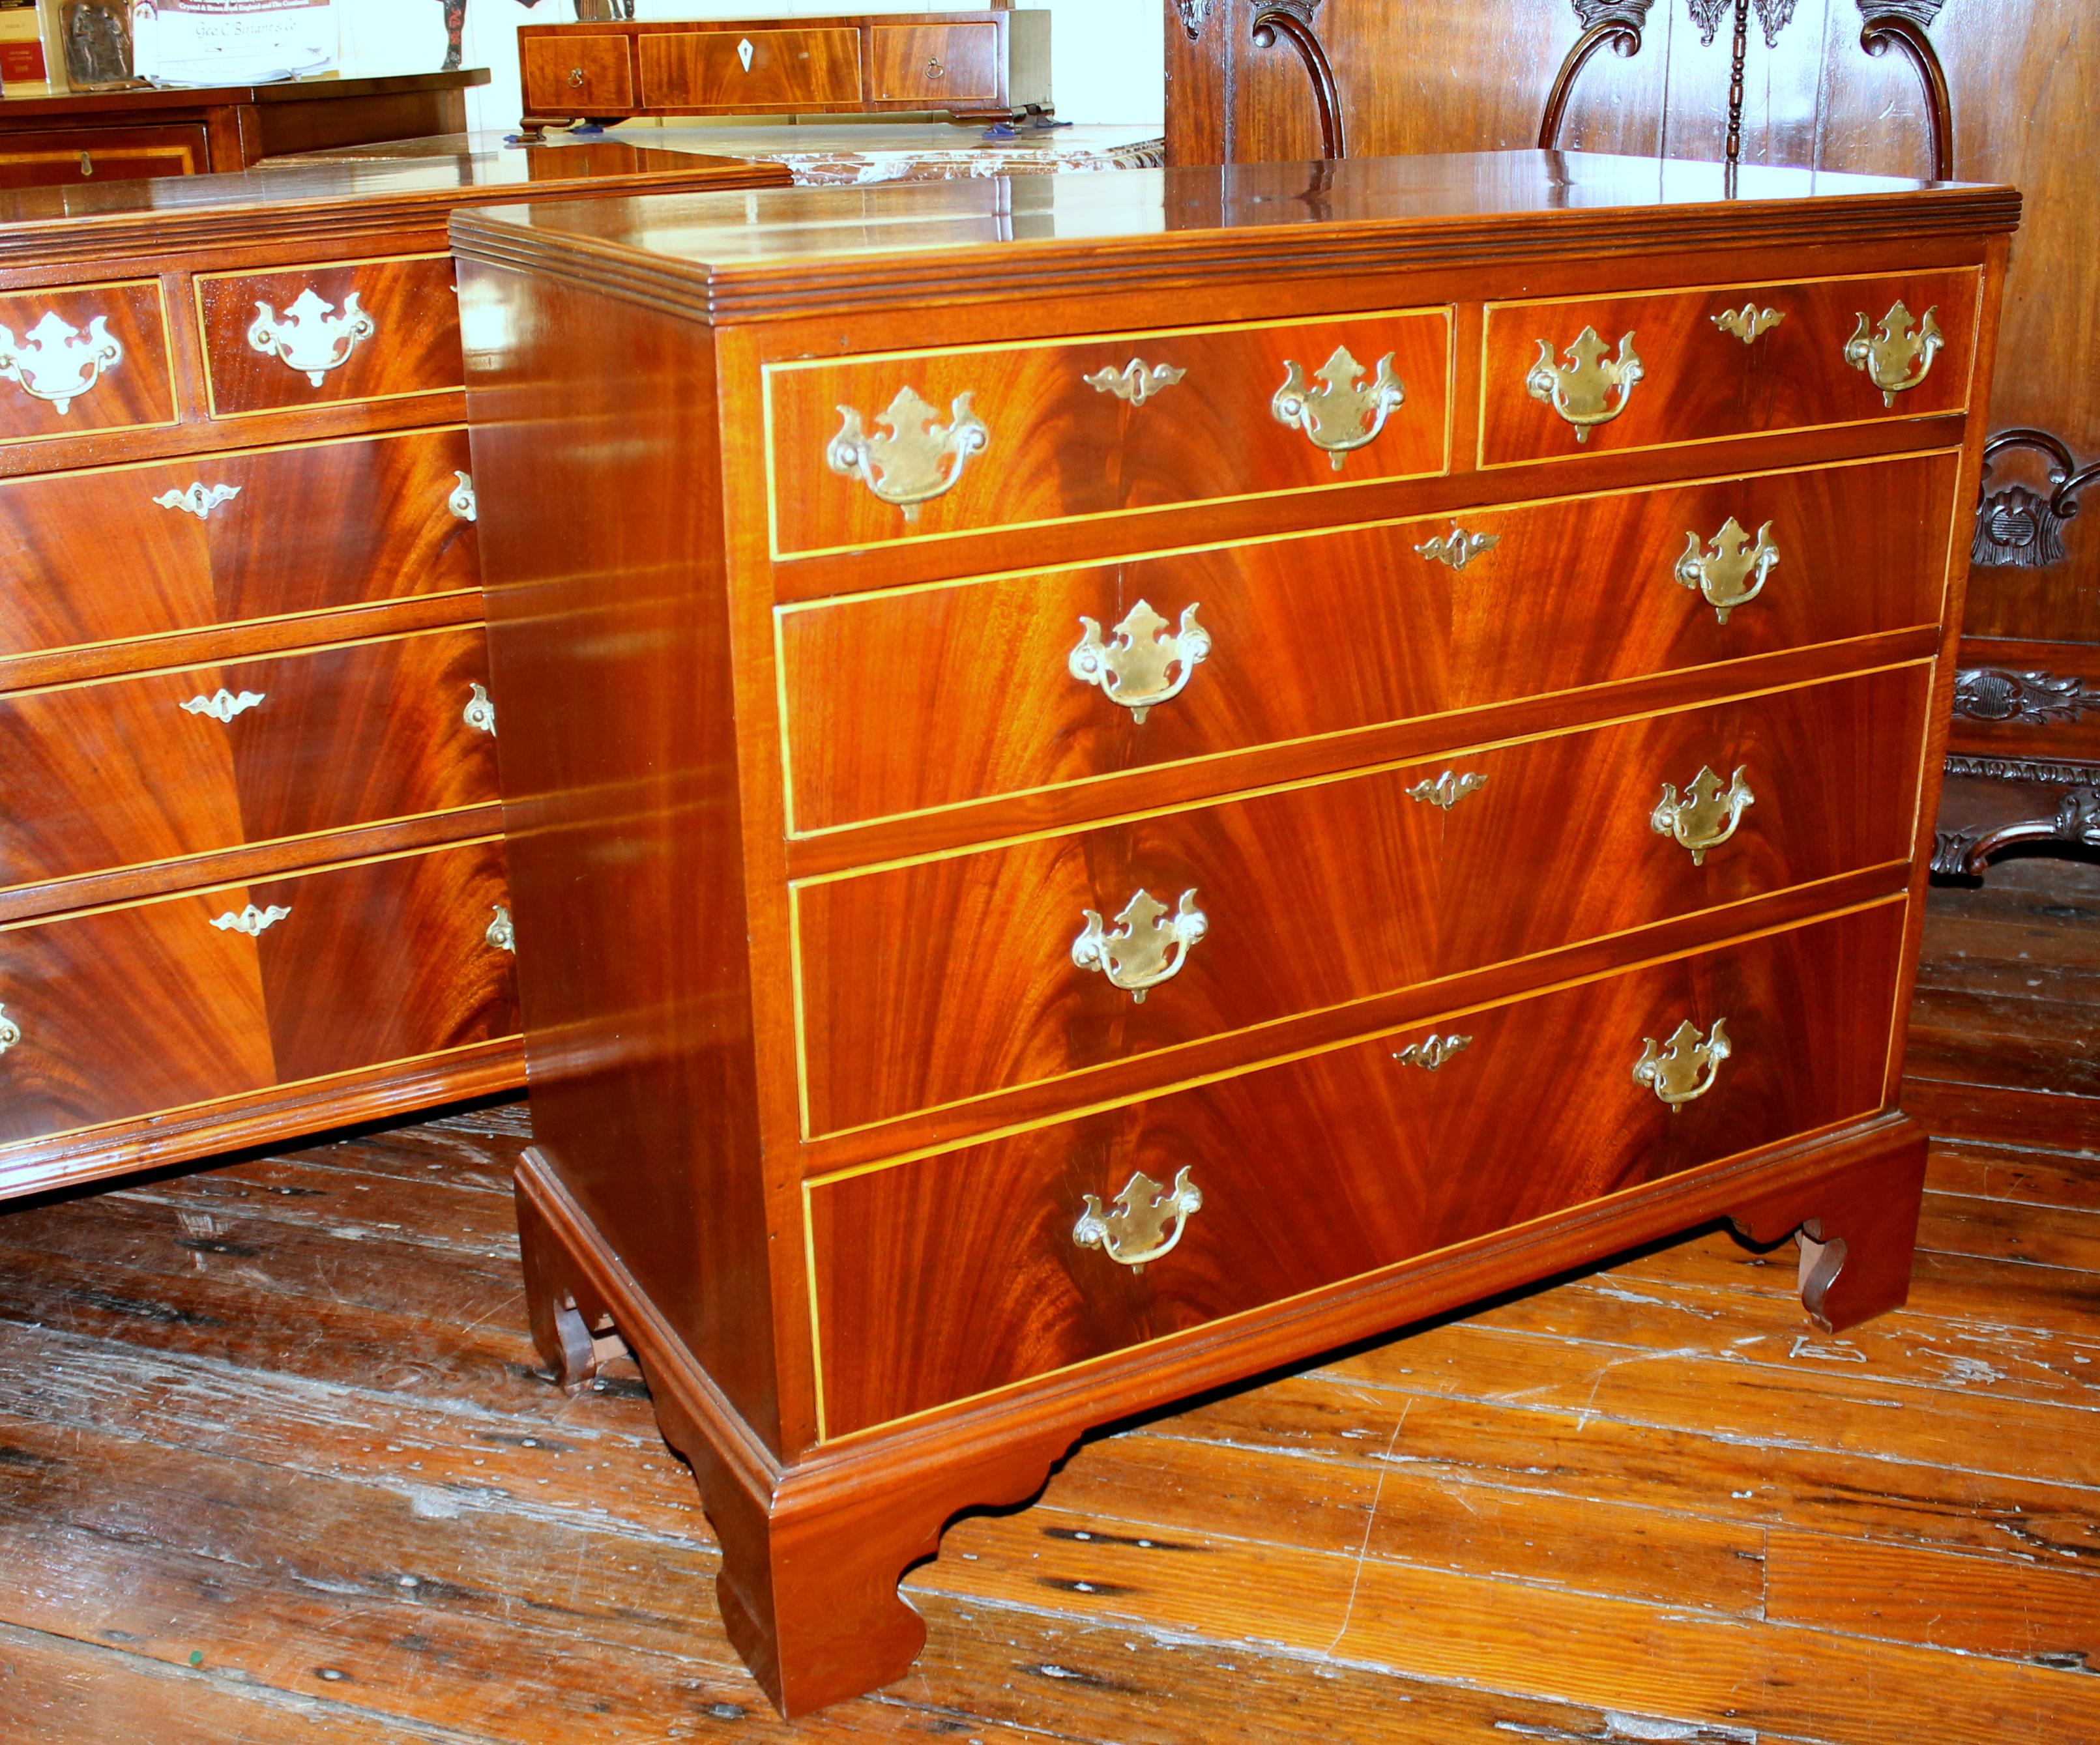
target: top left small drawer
<point>77,360</point>
<point>332,332</point>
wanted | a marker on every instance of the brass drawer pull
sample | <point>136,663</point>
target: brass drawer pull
<point>1135,1233</point>
<point>1433,1051</point>
<point>1684,1068</point>
<point>1145,950</point>
<point>1448,789</point>
<point>10,1033</point>
<point>1705,816</point>
<point>1581,390</point>
<point>1133,668</point>
<point>502,933</point>
<point>1135,381</point>
<point>918,459</point>
<point>200,499</point>
<point>57,362</point>
<point>311,335</point>
<point>1732,570</point>
<point>1341,416</point>
<point>1896,357</point>
<point>1457,548</point>
<point>222,705</point>
<point>1748,321</point>
<point>480,713</point>
<point>934,69</point>
<point>252,921</point>
<point>460,501</point>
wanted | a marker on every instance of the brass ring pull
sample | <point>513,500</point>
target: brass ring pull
<point>1748,321</point>
<point>1136,1232</point>
<point>252,921</point>
<point>1897,356</point>
<point>918,459</point>
<point>58,363</point>
<point>1432,1051</point>
<point>1684,1069</point>
<point>1581,390</point>
<point>501,933</point>
<point>1134,382</point>
<point>1732,572</point>
<point>1705,816</point>
<point>10,1033</point>
<point>576,78</point>
<point>1133,669</point>
<point>1147,946</point>
<point>313,335</point>
<point>1341,416</point>
<point>934,69</point>
<point>200,499</point>
<point>480,713</point>
<point>222,705</point>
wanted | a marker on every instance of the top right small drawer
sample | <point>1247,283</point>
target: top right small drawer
<point>1566,376</point>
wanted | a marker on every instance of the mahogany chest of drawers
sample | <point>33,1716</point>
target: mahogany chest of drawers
<point>1127,780</point>
<point>250,880</point>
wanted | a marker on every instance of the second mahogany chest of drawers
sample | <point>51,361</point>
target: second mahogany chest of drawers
<point>1128,780</point>
<point>251,883</point>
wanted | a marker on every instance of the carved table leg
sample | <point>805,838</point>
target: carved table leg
<point>1857,1232</point>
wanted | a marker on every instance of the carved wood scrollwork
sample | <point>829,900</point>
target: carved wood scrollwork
<point>1292,20</point>
<point>2029,700</point>
<point>1616,22</point>
<point>1195,13</point>
<point>2017,528</point>
<point>1900,24</point>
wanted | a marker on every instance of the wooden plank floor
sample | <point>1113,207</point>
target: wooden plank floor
<point>275,1465</point>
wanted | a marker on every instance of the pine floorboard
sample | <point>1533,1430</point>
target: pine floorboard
<point>277,1464</point>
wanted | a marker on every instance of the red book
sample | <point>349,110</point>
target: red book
<point>22,63</point>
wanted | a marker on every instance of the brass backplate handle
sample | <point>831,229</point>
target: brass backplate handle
<point>1747,323</point>
<point>1898,356</point>
<point>1432,1051</point>
<point>1705,815</point>
<point>1138,666</point>
<point>1684,1069</point>
<point>1136,381</point>
<point>56,362</point>
<point>1135,1231</point>
<point>1730,569</point>
<point>1590,387</point>
<point>918,459</point>
<point>311,336</point>
<point>1343,413</point>
<point>10,1033</point>
<point>1147,946</point>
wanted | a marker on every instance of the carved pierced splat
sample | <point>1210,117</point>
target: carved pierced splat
<point>2017,528</point>
<point>2031,700</point>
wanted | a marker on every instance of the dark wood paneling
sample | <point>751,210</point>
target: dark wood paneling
<point>929,983</point>
<point>414,347</point>
<point>705,69</point>
<point>1324,634</point>
<point>1698,381</point>
<point>132,390</point>
<point>1060,448</point>
<point>943,1278</point>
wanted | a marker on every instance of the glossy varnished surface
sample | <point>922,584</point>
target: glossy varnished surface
<point>132,390</point>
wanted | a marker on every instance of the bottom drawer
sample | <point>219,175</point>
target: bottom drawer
<point>943,1278</point>
<point>157,1006</point>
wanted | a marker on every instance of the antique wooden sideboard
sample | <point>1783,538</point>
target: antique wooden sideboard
<point>1129,779</point>
<point>250,880</point>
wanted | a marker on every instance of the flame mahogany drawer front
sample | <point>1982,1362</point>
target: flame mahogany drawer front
<point>917,444</point>
<point>126,552</point>
<point>726,70</point>
<point>945,979</point>
<point>946,1277</point>
<point>1324,634</point>
<point>1565,377</point>
<point>131,770</point>
<point>159,1005</point>
<point>78,358</point>
<point>320,335</point>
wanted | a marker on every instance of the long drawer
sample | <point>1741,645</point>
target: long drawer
<point>915,444</point>
<point>132,770</point>
<point>946,1277</point>
<point>125,551</point>
<point>75,359</point>
<point>121,1012</point>
<point>1044,679</point>
<point>755,69</point>
<point>947,978</point>
<point>1597,375</point>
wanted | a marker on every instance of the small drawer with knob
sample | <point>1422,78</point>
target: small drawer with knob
<point>161,766</point>
<point>946,1277</point>
<point>954,975</point>
<point>1569,376</point>
<point>183,1000</point>
<point>914,445</point>
<point>578,72</point>
<point>79,360</point>
<point>1051,678</point>
<point>331,333</point>
<point>936,65</point>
